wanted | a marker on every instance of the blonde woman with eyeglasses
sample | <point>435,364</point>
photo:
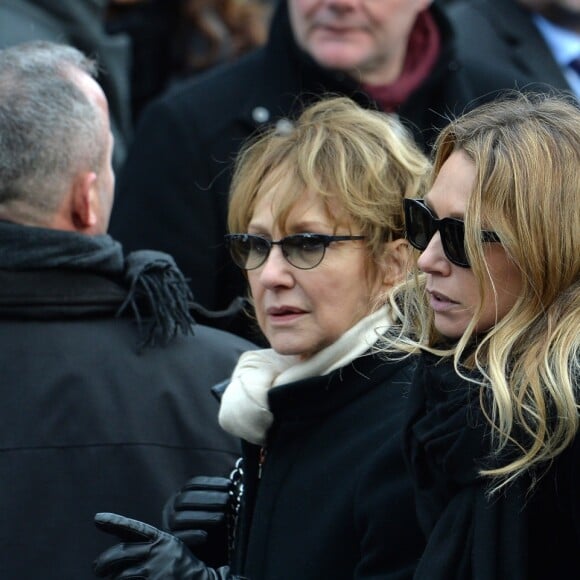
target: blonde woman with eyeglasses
<point>316,223</point>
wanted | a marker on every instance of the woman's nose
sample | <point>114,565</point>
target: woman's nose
<point>432,258</point>
<point>276,271</point>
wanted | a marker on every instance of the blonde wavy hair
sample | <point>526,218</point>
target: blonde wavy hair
<point>526,150</point>
<point>363,162</point>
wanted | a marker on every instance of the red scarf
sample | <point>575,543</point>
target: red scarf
<point>422,53</point>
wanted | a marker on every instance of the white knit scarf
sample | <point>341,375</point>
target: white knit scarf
<point>244,410</point>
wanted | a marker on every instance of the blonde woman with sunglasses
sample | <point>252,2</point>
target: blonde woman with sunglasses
<point>316,223</point>
<point>492,432</point>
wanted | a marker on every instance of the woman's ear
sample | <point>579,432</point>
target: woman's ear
<point>397,261</point>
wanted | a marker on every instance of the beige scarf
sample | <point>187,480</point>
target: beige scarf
<point>244,410</point>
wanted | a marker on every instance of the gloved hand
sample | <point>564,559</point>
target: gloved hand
<point>196,514</point>
<point>148,553</point>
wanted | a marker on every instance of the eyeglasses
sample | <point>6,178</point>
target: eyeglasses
<point>303,251</point>
<point>422,225</point>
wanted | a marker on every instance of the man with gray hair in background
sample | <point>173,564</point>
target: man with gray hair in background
<point>105,377</point>
<point>82,24</point>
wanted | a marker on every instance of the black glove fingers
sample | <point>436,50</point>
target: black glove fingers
<point>124,528</point>
<point>191,538</point>
<point>208,483</point>
<point>197,515</point>
<point>195,519</point>
<point>206,500</point>
<point>119,558</point>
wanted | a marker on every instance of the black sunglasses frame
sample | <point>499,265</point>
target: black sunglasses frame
<point>453,251</point>
<point>324,240</point>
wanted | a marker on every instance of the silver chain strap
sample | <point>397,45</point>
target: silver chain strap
<point>236,493</point>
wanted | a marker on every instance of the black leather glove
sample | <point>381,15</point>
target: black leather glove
<point>196,514</point>
<point>148,553</point>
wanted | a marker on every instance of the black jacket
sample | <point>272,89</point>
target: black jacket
<point>90,424</point>
<point>515,534</point>
<point>172,193</point>
<point>334,500</point>
<point>503,32</point>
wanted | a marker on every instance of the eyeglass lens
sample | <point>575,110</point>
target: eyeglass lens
<point>304,251</point>
<point>421,226</point>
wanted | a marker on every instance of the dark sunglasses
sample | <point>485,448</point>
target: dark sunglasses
<point>422,225</point>
<point>303,251</point>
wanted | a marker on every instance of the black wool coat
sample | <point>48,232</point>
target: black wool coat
<point>503,32</point>
<point>89,423</point>
<point>332,499</point>
<point>173,190</point>
<point>521,533</point>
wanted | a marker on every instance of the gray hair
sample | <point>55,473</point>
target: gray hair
<point>49,129</point>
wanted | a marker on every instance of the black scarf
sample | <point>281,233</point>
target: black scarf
<point>157,294</point>
<point>447,441</point>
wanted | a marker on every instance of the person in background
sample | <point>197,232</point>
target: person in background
<point>491,438</point>
<point>537,38</point>
<point>219,31</point>
<point>397,56</point>
<point>171,40</point>
<point>317,226</point>
<point>80,23</point>
<point>105,378</point>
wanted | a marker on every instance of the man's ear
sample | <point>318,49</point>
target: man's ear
<point>84,206</point>
<point>397,261</point>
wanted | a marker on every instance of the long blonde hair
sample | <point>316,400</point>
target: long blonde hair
<point>526,150</point>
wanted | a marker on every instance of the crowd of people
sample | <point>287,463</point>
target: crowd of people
<point>290,289</point>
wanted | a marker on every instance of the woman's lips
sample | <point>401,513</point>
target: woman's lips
<point>440,302</point>
<point>284,313</point>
